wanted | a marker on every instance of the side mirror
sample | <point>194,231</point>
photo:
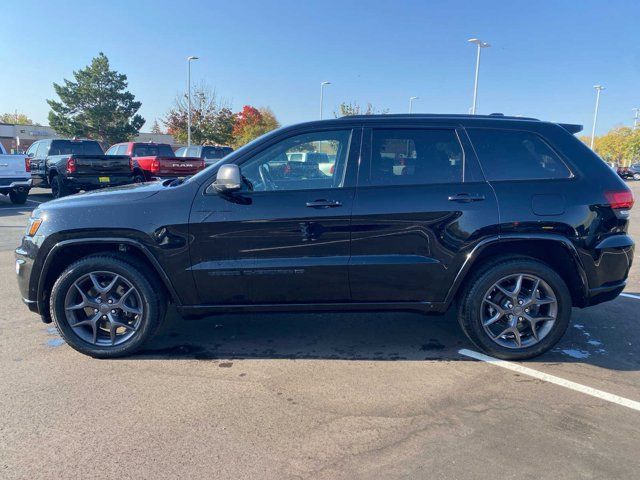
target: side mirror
<point>228,179</point>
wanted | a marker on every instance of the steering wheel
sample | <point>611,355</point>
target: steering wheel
<point>267,179</point>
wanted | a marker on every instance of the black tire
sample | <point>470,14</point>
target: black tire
<point>153,303</point>
<point>636,176</point>
<point>138,178</point>
<point>58,189</point>
<point>18,198</point>
<point>471,300</point>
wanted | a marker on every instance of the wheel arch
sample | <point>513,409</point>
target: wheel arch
<point>556,251</point>
<point>65,252</point>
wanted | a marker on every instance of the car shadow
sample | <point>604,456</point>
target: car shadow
<point>597,336</point>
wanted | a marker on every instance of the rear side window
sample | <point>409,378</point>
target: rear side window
<point>415,157</point>
<point>516,155</point>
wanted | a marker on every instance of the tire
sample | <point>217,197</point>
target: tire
<point>135,329</point>
<point>475,305</point>
<point>636,176</point>
<point>138,178</point>
<point>58,189</point>
<point>18,198</point>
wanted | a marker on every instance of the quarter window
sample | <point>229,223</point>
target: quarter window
<point>415,157</point>
<point>325,158</point>
<point>516,155</point>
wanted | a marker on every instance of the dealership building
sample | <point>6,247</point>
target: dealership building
<point>18,138</point>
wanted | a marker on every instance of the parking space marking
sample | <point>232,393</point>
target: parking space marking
<point>609,397</point>
<point>36,201</point>
<point>630,295</point>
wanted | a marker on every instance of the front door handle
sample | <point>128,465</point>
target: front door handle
<point>466,197</point>
<point>324,204</point>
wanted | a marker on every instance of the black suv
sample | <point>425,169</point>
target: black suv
<point>512,220</point>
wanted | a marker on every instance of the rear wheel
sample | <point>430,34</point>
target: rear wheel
<point>18,197</point>
<point>106,307</point>
<point>58,189</point>
<point>515,309</point>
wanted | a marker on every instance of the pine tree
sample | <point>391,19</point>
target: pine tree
<point>96,105</point>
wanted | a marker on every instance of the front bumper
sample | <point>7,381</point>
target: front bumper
<point>24,260</point>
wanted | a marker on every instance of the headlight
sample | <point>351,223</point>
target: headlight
<point>34,225</point>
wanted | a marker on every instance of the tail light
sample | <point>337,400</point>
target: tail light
<point>27,164</point>
<point>71,165</point>
<point>622,199</point>
<point>155,166</point>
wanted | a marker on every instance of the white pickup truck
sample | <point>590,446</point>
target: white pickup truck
<point>15,176</point>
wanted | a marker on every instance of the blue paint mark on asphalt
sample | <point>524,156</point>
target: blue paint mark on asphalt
<point>52,330</point>
<point>55,342</point>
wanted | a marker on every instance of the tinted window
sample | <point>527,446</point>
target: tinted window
<point>43,149</point>
<point>273,170</point>
<point>411,157</point>
<point>516,155</point>
<point>32,149</point>
<point>70,147</point>
<point>153,151</point>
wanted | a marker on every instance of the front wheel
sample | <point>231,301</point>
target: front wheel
<point>106,307</point>
<point>515,309</point>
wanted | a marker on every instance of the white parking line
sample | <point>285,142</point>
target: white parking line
<point>36,201</point>
<point>609,397</point>
<point>630,295</point>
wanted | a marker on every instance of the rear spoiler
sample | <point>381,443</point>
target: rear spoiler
<point>571,127</point>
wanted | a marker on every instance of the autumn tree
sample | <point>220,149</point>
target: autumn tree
<point>16,118</point>
<point>251,123</point>
<point>96,104</point>
<point>155,128</point>
<point>620,145</point>
<point>353,108</point>
<point>212,120</point>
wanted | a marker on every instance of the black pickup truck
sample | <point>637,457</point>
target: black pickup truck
<point>68,166</point>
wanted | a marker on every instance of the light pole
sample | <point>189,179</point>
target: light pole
<point>598,88</point>
<point>636,117</point>
<point>322,95</point>
<point>411,99</point>
<point>480,45</point>
<point>189,59</point>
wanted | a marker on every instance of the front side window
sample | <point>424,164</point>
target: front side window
<point>324,165</point>
<point>415,157</point>
<point>32,149</point>
<point>516,155</point>
<point>181,152</point>
<point>43,149</point>
<point>112,150</point>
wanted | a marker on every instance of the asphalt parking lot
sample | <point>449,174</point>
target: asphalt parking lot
<point>287,396</point>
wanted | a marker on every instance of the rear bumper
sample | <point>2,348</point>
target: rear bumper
<point>8,184</point>
<point>93,182</point>
<point>607,268</point>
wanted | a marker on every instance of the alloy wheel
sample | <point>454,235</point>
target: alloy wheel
<point>104,308</point>
<point>518,311</point>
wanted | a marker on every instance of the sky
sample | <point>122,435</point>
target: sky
<point>544,59</point>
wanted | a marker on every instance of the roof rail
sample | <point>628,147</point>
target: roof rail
<point>493,116</point>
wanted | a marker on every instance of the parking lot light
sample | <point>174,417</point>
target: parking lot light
<point>598,88</point>
<point>411,99</point>
<point>321,95</point>
<point>480,45</point>
<point>189,59</point>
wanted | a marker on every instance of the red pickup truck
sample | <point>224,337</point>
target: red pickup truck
<point>153,161</point>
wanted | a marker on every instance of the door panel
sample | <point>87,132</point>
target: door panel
<point>410,240</point>
<point>275,246</point>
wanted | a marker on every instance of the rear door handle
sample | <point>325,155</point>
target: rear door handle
<point>324,204</point>
<point>466,198</point>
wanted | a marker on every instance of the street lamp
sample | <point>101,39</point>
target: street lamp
<point>598,88</point>
<point>411,99</point>
<point>480,45</point>
<point>321,95</point>
<point>189,59</point>
<point>636,117</point>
